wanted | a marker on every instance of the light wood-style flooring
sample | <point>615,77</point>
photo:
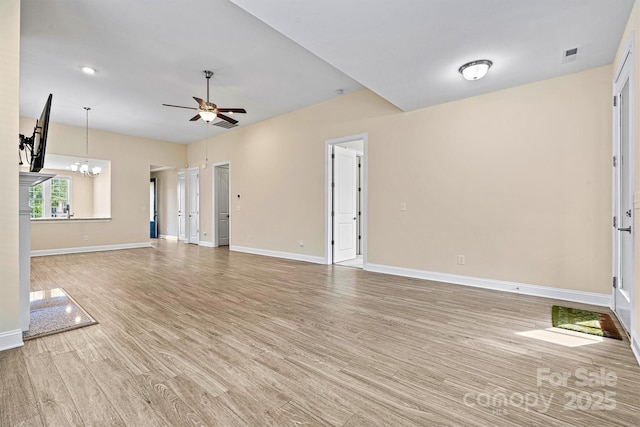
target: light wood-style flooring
<point>201,336</point>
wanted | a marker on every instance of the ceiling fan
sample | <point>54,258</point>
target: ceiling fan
<point>208,111</point>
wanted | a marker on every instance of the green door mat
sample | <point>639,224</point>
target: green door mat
<point>588,322</point>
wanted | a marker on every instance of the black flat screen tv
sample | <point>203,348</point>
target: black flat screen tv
<point>36,144</point>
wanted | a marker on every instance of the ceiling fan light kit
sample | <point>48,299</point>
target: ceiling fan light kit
<point>475,70</point>
<point>208,116</point>
<point>208,111</point>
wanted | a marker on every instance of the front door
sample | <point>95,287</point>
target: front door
<point>222,204</point>
<point>344,204</point>
<point>194,206</point>
<point>623,196</point>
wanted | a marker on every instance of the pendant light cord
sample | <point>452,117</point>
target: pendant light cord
<point>206,144</point>
<point>87,139</point>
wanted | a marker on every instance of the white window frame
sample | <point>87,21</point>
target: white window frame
<point>46,196</point>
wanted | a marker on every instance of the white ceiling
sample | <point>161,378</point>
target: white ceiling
<point>150,52</point>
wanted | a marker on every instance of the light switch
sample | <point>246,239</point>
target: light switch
<point>403,206</point>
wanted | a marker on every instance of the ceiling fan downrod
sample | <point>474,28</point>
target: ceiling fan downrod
<point>208,74</point>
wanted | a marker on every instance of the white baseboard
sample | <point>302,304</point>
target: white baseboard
<point>499,285</point>
<point>635,345</point>
<point>11,339</point>
<point>206,244</point>
<point>62,251</point>
<point>278,254</point>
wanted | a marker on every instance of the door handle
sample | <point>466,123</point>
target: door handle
<point>628,229</point>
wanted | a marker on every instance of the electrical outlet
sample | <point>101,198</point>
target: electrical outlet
<point>461,260</point>
<point>85,237</point>
<point>301,243</point>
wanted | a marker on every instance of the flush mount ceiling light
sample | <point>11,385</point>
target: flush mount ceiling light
<point>475,70</point>
<point>88,70</point>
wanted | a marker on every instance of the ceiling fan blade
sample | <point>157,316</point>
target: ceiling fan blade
<point>229,119</point>
<point>232,110</point>
<point>179,106</point>
<point>194,118</point>
<point>203,105</point>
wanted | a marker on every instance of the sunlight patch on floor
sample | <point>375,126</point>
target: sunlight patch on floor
<point>562,337</point>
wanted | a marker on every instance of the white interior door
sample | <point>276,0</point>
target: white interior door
<point>182,226</point>
<point>344,204</point>
<point>359,203</point>
<point>623,206</point>
<point>222,205</point>
<point>153,208</point>
<point>194,206</point>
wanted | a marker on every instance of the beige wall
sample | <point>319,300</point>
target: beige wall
<point>102,186</point>
<point>82,195</point>
<point>167,203</point>
<point>131,158</point>
<point>517,180</point>
<point>634,25</point>
<point>9,113</point>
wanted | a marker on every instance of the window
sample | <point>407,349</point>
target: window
<point>59,196</point>
<point>35,201</point>
<point>51,199</point>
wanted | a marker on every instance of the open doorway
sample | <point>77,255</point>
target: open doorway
<point>163,202</point>
<point>221,203</point>
<point>345,188</point>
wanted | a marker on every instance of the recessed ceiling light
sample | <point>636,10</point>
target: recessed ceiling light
<point>475,70</point>
<point>88,70</point>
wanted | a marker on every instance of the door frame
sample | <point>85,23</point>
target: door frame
<point>328,194</point>
<point>182,191</point>
<point>214,196</point>
<point>197,170</point>
<point>625,71</point>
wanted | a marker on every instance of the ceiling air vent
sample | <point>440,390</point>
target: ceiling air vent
<point>570,55</point>
<point>225,124</point>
